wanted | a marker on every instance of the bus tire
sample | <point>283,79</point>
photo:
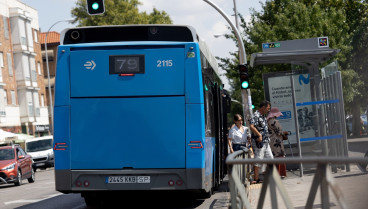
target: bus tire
<point>91,199</point>
<point>205,195</point>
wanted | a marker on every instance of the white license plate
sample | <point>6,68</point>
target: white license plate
<point>128,179</point>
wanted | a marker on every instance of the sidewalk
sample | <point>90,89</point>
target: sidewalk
<point>353,184</point>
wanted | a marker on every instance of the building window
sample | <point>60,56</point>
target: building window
<point>13,98</point>
<point>30,104</point>
<point>2,104</point>
<point>29,35</point>
<point>5,97</point>
<point>39,68</point>
<point>42,100</point>
<point>35,32</point>
<point>26,67</point>
<point>6,27</point>
<point>10,64</point>
<point>33,69</point>
<point>22,32</point>
<point>36,103</point>
<point>1,65</point>
<point>1,59</point>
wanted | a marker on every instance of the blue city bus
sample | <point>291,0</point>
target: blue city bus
<point>138,107</point>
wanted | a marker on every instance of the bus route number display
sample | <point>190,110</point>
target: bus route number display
<point>126,64</point>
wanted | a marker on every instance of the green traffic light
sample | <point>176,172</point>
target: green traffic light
<point>95,6</point>
<point>245,84</point>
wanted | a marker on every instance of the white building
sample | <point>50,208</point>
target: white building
<point>23,107</point>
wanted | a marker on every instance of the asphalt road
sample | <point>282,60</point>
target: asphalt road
<point>42,195</point>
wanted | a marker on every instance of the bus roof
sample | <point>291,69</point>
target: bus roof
<point>130,33</point>
<point>119,33</point>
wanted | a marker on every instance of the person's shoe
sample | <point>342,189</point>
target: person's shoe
<point>259,181</point>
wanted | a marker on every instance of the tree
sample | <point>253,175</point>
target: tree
<point>356,77</point>
<point>285,20</point>
<point>118,12</point>
<point>343,21</point>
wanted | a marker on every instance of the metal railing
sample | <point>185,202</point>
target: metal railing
<point>239,164</point>
<point>239,175</point>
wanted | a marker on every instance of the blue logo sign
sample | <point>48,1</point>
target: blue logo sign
<point>286,115</point>
<point>304,79</point>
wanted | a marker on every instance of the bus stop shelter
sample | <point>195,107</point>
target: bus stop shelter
<point>312,105</point>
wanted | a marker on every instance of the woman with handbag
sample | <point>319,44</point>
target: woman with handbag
<point>239,135</point>
<point>276,138</point>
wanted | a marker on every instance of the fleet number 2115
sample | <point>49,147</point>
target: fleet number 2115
<point>164,63</point>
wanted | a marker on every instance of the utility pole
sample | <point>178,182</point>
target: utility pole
<point>246,98</point>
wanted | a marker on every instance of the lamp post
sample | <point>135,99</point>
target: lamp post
<point>236,15</point>
<point>246,98</point>
<point>48,74</point>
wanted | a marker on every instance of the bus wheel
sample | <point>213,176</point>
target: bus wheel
<point>91,199</point>
<point>205,195</point>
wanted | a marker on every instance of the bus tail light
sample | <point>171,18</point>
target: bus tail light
<point>171,183</point>
<point>86,183</point>
<point>60,146</point>
<point>126,74</point>
<point>196,145</point>
<point>78,183</point>
<point>179,182</point>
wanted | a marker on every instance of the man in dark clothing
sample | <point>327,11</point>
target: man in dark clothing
<point>260,140</point>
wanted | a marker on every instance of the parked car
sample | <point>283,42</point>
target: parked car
<point>15,165</point>
<point>41,150</point>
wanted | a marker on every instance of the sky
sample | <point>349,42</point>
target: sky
<point>197,13</point>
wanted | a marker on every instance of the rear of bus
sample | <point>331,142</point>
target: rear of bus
<point>129,114</point>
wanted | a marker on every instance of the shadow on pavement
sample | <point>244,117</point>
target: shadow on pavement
<point>132,199</point>
<point>358,146</point>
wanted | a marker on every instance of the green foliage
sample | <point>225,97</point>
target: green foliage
<point>343,21</point>
<point>118,12</point>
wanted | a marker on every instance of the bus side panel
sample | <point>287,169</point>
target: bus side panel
<point>195,139</point>
<point>62,122</point>
<point>193,75</point>
<point>62,83</point>
<point>62,137</point>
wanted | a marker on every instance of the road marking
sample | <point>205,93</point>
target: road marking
<point>31,201</point>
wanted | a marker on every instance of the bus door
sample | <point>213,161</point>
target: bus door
<point>127,108</point>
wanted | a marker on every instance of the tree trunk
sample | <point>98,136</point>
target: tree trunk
<point>357,125</point>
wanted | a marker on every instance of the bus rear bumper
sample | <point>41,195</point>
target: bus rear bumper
<point>78,181</point>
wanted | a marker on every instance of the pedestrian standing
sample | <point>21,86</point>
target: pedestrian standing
<point>277,136</point>
<point>260,139</point>
<point>239,135</point>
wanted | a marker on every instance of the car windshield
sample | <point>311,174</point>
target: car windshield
<point>40,145</point>
<point>6,154</point>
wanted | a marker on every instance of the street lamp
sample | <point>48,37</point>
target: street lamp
<point>246,98</point>
<point>48,73</point>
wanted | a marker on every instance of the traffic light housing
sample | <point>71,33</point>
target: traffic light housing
<point>95,7</point>
<point>244,76</point>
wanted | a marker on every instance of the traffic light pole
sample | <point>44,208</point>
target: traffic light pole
<point>246,98</point>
